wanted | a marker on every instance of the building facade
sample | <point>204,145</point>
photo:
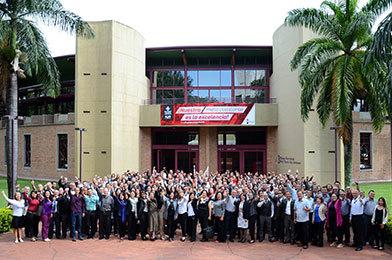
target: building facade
<point>192,108</point>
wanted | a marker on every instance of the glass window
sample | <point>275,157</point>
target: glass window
<point>27,150</point>
<point>225,95</point>
<point>175,138</point>
<point>239,78</point>
<point>193,78</point>
<point>225,78</point>
<point>365,151</point>
<point>193,96</point>
<point>250,77</point>
<point>203,95</point>
<point>209,78</point>
<point>239,95</point>
<point>171,78</point>
<point>220,139</point>
<point>193,139</point>
<point>62,151</point>
<point>260,78</point>
<point>230,139</point>
<point>215,95</point>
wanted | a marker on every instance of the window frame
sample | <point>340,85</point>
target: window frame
<point>371,150</point>
<point>24,150</point>
<point>58,150</point>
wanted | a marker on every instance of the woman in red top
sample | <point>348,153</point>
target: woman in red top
<point>32,216</point>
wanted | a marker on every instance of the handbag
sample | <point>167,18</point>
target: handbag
<point>209,231</point>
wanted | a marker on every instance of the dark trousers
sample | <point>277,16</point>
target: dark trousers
<point>55,224</point>
<point>32,225</point>
<point>346,229</point>
<point>230,224</point>
<point>76,220</point>
<point>310,225</point>
<point>192,220</point>
<point>203,219</point>
<point>277,227</point>
<point>336,232</point>
<point>303,232</point>
<point>368,230</point>
<point>143,224</point>
<point>182,218</point>
<point>318,233</point>
<point>289,234</point>
<point>122,227</point>
<point>105,224</point>
<point>171,226</point>
<point>220,226</point>
<point>358,227</point>
<point>131,226</point>
<point>252,226</point>
<point>265,227</point>
<point>379,235</point>
<point>91,217</point>
<point>64,221</point>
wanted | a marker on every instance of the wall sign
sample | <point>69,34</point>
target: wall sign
<point>208,114</point>
<point>287,160</point>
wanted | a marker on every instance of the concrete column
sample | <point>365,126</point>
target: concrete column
<point>272,149</point>
<point>208,149</point>
<point>145,149</point>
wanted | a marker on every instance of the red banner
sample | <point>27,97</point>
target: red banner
<point>208,114</point>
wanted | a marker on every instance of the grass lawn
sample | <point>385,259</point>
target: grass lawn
<point>382,189</point>
<point>21,182</point>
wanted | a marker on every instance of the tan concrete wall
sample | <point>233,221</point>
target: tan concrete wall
<point>145,149</point>
<point>296,138</point>
<point>208,149</point>
<point>381,150</point>
<point>272,149</point>
<point>114,62</point>
<point>43,152</point>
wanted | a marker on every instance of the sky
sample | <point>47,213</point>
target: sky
<point>184,22</point>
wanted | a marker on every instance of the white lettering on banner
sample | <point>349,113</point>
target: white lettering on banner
<point>190,110</point>
<point>225,109</point>
<point>206,117</point>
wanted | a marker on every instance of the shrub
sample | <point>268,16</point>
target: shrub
<point>5,219</point>
<point>389,230</point>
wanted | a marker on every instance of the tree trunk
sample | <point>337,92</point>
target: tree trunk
<point>348,157</point>
<point>12,133</point>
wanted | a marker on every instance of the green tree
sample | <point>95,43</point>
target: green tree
<point>380,52</point>
<point>331,66</point>
<point>24,51</point>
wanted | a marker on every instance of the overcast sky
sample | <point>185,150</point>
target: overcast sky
<point>184,22</point>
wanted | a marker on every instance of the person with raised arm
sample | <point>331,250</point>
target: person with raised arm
<point>18,207</point>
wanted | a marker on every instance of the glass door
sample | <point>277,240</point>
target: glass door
<point>253,161</point>
<point>186,161</point>
<point>229,161</point>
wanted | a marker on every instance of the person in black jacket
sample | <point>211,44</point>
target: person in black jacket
<point>277,219</point>
<point>250,213</point>
<point>266,211</point>
<point>142,213</point>
<point>63,208</point>
<point>203,212</point>
<point>192,216</point>
<point>131,215</point>
<point>288,218</point>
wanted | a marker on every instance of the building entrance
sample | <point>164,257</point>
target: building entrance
<point>175,149</point>
<point>242,150</point>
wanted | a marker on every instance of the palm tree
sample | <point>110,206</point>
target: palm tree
<point>381,52</point>
<point>331,66</point>
<point>24,51</point>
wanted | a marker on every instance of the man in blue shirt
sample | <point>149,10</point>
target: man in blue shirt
<point>91,202</point>
<point>302,209</point>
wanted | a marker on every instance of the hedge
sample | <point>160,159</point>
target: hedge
<point>5,219</point>
<point>389,230</point>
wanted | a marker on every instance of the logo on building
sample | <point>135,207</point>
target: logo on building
<point>167,113</point>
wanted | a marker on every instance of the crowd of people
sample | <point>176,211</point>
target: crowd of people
<point>227,206</point>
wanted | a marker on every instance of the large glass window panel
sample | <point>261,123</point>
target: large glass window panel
<point>193,96</point>
<point>193,139</point>
<point>239,95</point>
<point>225,95</point>
<point>239,77</point>
<point>225,78</point>
<point>62,151</point>
<point>231,139</point>
<point>169,78</point>
<point>193,78</point>
<point>221,139</point>
<point>215,95</point>
<point>250,77</point>
<point>260,78</point>
<point>209,78</point>
<point>203,95</point>
<point>27,151</point>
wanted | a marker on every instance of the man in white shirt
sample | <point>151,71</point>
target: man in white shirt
<point>356,218</point>
<point>182,212</point>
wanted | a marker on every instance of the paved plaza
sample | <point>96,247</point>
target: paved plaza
<point>116,249</point>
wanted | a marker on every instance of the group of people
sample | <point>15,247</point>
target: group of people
<point>228,206</point>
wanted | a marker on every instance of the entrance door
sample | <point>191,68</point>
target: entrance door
<point>186,161</point>
<point>254,162</point>
<point>229,161</point>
